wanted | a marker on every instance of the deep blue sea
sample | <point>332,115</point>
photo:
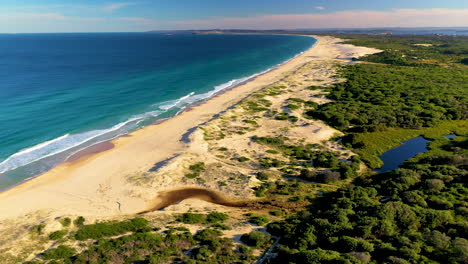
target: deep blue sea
<point>60,93</point>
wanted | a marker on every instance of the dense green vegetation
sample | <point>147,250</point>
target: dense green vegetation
<point>303,157</point>
<point>407,50</point>
<point>424,96</point>
<point>211,218</point>
<point>98,230</point>
<point>412,87</point>
<point>136,241</point>
<point>416,214</point>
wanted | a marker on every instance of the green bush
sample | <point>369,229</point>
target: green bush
<point>197,167</point>
<point>293,106</point>
<point>192,175</point>
<point>252,122</point>
<point>220,226</point>
<point>207,235</point>
<point>215,217</point>
<point>243,159</point>
<point>79,221</point>
<point>255,239</point>
<point>65,221</point>
<point>59,253</point>
<point>259,220</point>
<point>98,230</point>
<point>38,229</point>
<point>277,213</point>
<point>191,218</point>
<point>57,235</point>
<point>263,176</point>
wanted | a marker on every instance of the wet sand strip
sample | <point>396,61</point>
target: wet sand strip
<point>97,148</point>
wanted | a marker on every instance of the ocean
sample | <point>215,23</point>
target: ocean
<point>60,93</point>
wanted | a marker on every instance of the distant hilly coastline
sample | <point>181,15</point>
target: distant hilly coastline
<point>370,31</point>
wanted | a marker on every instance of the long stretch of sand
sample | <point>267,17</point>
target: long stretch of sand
<point>97,184</point>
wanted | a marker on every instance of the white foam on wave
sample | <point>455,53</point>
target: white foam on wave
<point>54,146</point>
<point>70,141</point>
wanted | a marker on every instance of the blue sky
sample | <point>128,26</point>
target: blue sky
<point>142,15</point>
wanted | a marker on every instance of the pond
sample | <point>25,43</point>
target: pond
<point>394,157</point>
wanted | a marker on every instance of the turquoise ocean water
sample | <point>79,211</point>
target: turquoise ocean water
<point>60,93</point>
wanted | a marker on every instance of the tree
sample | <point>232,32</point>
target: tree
<point>435,185</point>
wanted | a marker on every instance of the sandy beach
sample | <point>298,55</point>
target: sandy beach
<point>125,178</point>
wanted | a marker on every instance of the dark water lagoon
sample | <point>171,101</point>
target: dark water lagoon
<point>394,157</point>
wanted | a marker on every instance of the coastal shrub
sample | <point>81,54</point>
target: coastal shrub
<point>105,229</point>
<point>464,61</point>
<point>257,106</point>
<point>65,221</point>
<point>191,218</point>
<point>296,100</point>
<point>311,104</point>
<point>222,183</point>
<point>255,239</point>
<point>269,162</point>
<point>57,235</point>
<point>258,220</point>
<point>277,213</point>
<point>223,149</point>
<point>282,116</point>
<point>313,88</point>
<point>175,245</point>
<point>260,191</point>
<point>308,175</point>
<point>243,159</point>
<point>197,167</point>
<point>275,141</point>
<point>263,176</point>
<point>79,221</point>
<point>220,226</point>
<point>207,235</point>
<point>192,175</point>
<point>38,229</point>
<point>329,176</point>
<point>60,252</point>
<point>293,106</point>
<point>272,151</point>
<point>252,122</point>
<point>215,217</point>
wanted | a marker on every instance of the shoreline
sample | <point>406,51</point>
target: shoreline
<point>105,145</point>
<point>98,184</point>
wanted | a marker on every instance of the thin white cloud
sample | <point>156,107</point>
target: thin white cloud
<point>320,8</point>
<point>115,6</point>
<point>341,19</point>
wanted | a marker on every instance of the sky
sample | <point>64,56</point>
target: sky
<point>42,16</point>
